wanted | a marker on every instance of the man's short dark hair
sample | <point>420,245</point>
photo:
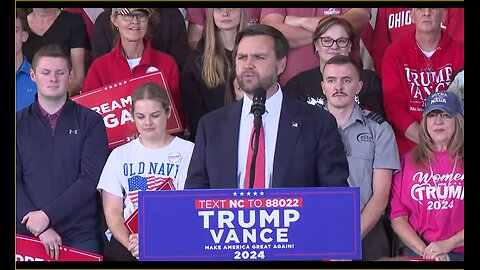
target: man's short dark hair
<point>22,16</point>
<point>280,42</point>
<point>52,50</point>
<point>342,60</point>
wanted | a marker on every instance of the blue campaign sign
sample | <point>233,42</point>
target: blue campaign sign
<point>256,224</point>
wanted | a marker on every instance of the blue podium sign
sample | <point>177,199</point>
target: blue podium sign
<point>245,225</point>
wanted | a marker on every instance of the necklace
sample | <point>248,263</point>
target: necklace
<point>134,57</point>
<point>450,176</point>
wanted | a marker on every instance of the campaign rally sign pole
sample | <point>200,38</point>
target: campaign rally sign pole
<point>259,224</point>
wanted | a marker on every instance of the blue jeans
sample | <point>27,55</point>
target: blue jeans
<point>456,257</point>
<point>91,245</point>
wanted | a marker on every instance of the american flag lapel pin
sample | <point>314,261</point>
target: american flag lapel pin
<point>295,124</point>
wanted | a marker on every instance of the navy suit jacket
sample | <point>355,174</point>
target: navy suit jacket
<point>309,151</point>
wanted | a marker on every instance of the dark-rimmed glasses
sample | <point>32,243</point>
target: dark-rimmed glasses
<point>328,42</point>
<point>141,17</point>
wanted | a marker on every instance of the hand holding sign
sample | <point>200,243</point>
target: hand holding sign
<point>133,244</point>
<point>31,249</point>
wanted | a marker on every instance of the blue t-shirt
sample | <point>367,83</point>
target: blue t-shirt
<point>25,87</point>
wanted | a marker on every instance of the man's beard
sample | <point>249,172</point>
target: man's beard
<point>266,83</point>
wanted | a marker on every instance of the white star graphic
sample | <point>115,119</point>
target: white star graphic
<point>255,193</point>
<point>248,193</point>
<point>241,193</point>
<point>261,193</point>
<point>234,193</point>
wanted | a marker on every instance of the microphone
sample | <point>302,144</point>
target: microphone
<point>258,106</point>
<point>258,109</point>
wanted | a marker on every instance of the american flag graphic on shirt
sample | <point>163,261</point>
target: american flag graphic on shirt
<point>137,183</point>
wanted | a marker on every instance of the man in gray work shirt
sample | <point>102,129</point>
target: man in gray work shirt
<point>370,147</point>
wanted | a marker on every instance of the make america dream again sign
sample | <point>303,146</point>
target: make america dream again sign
<point>113,103</point>
<point>32,249</point>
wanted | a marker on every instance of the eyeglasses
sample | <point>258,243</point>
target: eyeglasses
<point>328,42</point>
<point>141,17</point>
<point>434,114</point>
<point>225,9</point>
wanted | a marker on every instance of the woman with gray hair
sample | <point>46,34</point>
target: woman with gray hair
<point>133,55</point>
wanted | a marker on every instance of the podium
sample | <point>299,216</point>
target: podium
<point>250,224</point>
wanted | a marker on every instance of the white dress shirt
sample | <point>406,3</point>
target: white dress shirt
<point>270,120</point>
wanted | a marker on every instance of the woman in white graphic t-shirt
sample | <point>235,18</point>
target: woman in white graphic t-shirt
<point>142,164</point>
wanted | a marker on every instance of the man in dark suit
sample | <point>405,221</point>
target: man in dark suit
<point>303,147</point>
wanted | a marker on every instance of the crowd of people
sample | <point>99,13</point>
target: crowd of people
<point>396,130</point>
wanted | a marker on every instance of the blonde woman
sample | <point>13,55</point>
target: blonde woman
<point>129,166</point>
<point>427,207</point>
<point>208,70</point>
